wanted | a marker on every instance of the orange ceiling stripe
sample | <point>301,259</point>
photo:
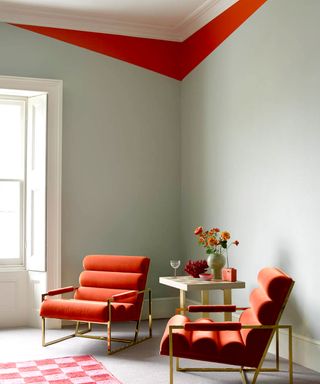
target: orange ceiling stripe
<point>169,58</point>
<point>157,55</point>
<point>198,46</point>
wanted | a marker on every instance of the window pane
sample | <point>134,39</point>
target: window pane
<point>11,139</point>
<point>10,240</point>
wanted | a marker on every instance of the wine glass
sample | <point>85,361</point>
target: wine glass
<point>175,264</point>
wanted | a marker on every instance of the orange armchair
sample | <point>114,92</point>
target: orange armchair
<point>111,290</point>
<point>244,343</point>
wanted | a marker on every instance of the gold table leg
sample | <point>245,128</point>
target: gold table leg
<point>182,301</point>
<point>227,300</point>
<point>205,301</point>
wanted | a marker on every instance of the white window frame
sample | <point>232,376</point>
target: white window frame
<point>53,88</point>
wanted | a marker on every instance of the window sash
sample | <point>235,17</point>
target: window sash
<point>20,219</point>
<point>18,261</point>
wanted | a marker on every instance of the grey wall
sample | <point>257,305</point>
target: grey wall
<point>121,175</point>
<point>250,128</point>
<point>250,151</point>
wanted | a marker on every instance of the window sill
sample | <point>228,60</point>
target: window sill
<point>12,268</point>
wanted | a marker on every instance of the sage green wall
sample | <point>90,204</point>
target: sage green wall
<point>250,154</point>
<point>121,175</point>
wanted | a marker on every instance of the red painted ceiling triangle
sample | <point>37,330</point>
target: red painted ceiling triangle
<point>157,55</point>
<point>199,45</point>
<point>169,58</point>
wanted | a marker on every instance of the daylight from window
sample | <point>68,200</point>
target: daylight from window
<point>12,173</point>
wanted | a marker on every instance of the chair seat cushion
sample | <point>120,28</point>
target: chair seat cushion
<point>85,310</point>
<point>204,340</point>
<point>223,346</point>
<point>181,338</point>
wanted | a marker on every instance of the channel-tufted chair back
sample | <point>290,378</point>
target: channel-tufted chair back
<point>266,306</point>
<point>107,275</point>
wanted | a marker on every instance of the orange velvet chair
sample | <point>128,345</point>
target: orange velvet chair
<point>244,343</point>
<point>111,290</point>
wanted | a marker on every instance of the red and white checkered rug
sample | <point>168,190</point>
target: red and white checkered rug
<point>64,370</point>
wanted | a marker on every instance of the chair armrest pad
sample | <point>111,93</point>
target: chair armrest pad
<point>211,308</point>
<point>59,291</point>
<point>124,295</point>
<point>215,326</point>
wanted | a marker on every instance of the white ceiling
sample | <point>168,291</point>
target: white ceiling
<point>161,19</point>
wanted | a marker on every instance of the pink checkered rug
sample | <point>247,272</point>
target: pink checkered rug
<point>64,370</point>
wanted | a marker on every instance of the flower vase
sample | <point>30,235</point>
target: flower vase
<point>216,262</point>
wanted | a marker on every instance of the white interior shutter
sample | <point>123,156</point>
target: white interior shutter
<point>36,184</point>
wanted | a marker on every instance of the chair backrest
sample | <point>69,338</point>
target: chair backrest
<point>106,275</point>
<point>267,304</point>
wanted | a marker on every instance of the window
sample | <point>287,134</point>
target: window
<point>23,127</point>
<point>41,210</point>
<point>12,179</point>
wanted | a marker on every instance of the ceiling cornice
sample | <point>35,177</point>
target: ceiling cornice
<point>170,58</point>
<point>201,16</point>
<point>12,13</point>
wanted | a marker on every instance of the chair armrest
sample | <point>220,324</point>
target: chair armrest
<point>227,326</point>
<point>216,326</point>
<point>261,326</point>
<point>58,291</point>
<point>124,295</point>
<point>211,308</point>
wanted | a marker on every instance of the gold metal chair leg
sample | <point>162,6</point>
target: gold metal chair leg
<point>277,350</point>
<point>243,376</point>
<point>255,376</point>
<point>136,332</point>
<point>43,329</point>
<point>290,354</point>
<point>171,356</point>
<point>150,312</point>
<point>81,333</point>
<point>44,343</point>
<point>109,336</point>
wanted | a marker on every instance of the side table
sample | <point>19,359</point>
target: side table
<point>188,284</point>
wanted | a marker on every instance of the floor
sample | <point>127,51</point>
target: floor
<point>140,364</point>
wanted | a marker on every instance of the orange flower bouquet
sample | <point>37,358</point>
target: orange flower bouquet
<point>215,241</point>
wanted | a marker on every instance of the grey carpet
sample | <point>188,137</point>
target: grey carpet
<point>140,364</point>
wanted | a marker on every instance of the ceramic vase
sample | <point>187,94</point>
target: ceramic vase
<point>216,262</point>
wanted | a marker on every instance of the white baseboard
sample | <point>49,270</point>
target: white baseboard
<point>306,351</point>
<point>165,307</point>
<point>162,308</point>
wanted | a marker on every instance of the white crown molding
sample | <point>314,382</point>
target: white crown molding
<point>55,19</point>
<point>95,23</point>
<point>202,16</point>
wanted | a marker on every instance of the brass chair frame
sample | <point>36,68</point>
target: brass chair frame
<point>242,370</point>
<point>108,338</point>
